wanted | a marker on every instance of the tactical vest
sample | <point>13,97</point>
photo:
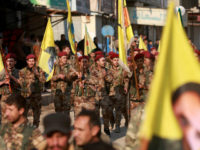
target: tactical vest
<point>60,84</point>
<point>35,87</point>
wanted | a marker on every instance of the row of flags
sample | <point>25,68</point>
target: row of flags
<point>48,53</point>
<point>176,66</point>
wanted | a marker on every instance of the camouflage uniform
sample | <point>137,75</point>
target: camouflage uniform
<point>91,62</point>
<point>61,89</point>
<point>31,87</point>
<point>84,97</point>
<point>93,66</point>
<point>148,72</point>
<point>119,80</point>
<point>132,86</point>
<point>132,140</point>
<point>5,90</point>
<point>102,96</point>
<point>24,137</point>
<point>145,78</point>
<point>72,61</point>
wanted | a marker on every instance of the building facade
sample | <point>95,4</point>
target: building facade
<point>148,17</point>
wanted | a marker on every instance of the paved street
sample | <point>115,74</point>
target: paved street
<point>47,107</point>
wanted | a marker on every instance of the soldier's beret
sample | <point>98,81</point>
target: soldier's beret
<point>197,51</point>
<point>10,55</point>
<point>60,54</point>
<point>110,53</point>
<point>83,57</point>
<point>148,55</point>
<point>138,56</point>
<point>114,56</point>
<point>153,48</point>
<point>98,53</point>
<point>98,57</point>
<point>129,59</point>
<point>30,56</point>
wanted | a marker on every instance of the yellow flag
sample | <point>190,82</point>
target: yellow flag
<point>70,29</point>
<point>129,31</point>
<point>159,46</point>
<point>88,43</point>
<point>1,64</point>
<point>171,72</point>
<point>142,45</point>
<point>121,37</point>
<point>48,53</point>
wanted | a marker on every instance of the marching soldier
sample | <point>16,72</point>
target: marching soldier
<point>8,81</point>
<point>63,74</point>
<point>134,98</point>
<point>118,90</point>
<point>102,94</point>
<point>148,72</point>
<point>31,79</point>
<point>84,89</point>
<point>137,106</point>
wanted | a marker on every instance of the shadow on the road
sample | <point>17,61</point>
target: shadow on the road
<point>115,136</point>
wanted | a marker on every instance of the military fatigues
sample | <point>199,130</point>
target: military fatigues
<point>72,61</point>
<point>132,140</point>
<point>6,90</point>
<point>91,63</point>
<point>102,96</point>
<point>145,78</point>
<point>24,137</point>
<point>60,87</point>
<point>119,80</point>
<point>31,87</point>
<point>84,97</point>
<point>134,99</point>
<point>132,86</point>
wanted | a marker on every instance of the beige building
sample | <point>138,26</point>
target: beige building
<point>148,17</point>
